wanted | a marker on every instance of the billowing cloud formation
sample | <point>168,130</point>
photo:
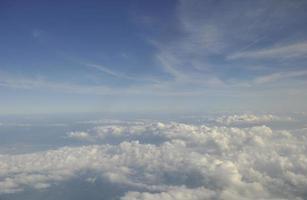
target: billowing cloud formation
<point>178,193</point>
<point>250,119</point>
<point>78,135</point>
<point>191,162</point>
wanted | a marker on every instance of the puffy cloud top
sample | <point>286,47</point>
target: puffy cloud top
<point>191,162</point>
<point>250,119</point>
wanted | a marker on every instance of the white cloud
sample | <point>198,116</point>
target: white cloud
<point>176,193</point>
<point>250,119</point>
<point>80,135</point>
<point>190,162</point>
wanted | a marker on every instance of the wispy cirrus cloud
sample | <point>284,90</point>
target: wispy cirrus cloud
<point>109,71</point>
<point>295,50</point>
<point>40,83</point>
<point>210,45</point>
<point>120,75</point>
<point>280,76</point>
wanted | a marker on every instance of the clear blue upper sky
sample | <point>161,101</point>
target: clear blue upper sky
<point>152,56</point>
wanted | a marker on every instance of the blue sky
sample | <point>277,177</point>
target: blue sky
<point>152,56</point>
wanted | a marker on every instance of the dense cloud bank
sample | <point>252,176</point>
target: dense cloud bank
<point>172,161</point>
<point>251,119</point>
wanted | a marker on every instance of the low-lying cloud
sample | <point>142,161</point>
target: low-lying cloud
<point>191,162</point>
<point>251,119</point>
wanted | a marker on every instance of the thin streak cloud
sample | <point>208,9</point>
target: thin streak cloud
<point>290,51</point>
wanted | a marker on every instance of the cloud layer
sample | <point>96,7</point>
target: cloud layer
<point>250,119</point>
<point>172,161</point>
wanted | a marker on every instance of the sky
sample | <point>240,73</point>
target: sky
<point>152,56</point>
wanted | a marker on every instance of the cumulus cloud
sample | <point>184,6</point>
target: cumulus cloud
<point>189,162</point>
<point>177,193</point>
<point>80,135</point>
<point>250,119</point>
